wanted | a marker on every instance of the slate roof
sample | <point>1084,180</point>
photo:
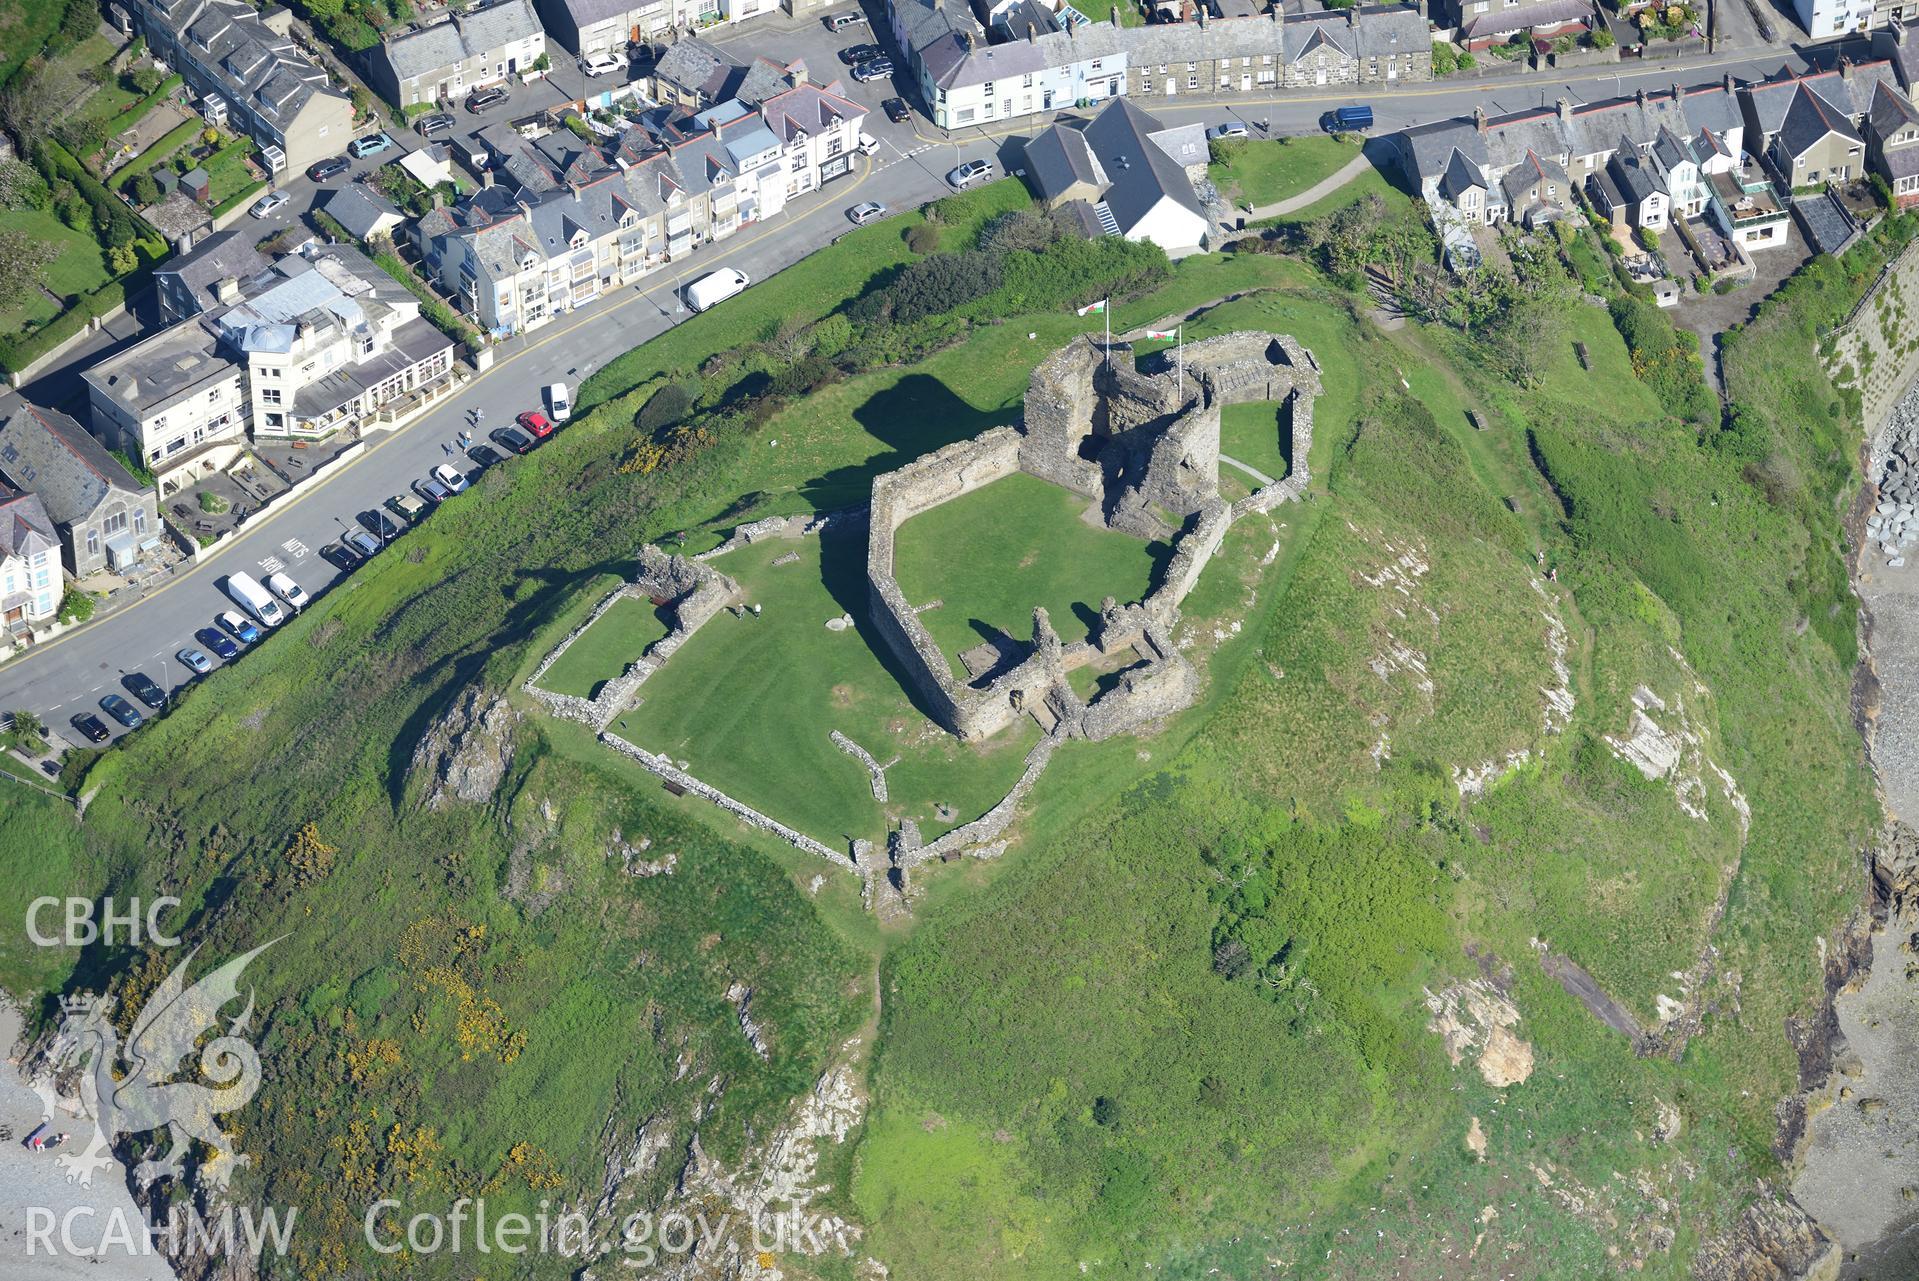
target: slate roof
<point>1534,168</point>
<point>472,35</point>
<point>25,528</point>
<point>587,12</point>
<point>1824,222</point>
<point>1503,21</point>
<point>44,452</point>
<point>255,64</point>
<point>225,255</point>
<point>1809,119</point>
<point>698,67</point>
<point>360,210</point>
<point>1128,151</point>
<point>1891,111</point>
<point>1849,89</point>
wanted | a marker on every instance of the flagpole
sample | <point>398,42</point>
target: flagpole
<point>1107,311</point>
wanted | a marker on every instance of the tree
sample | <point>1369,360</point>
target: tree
<point>143,189</point>
<point>32,102</point>
<point>1106,1111</point>
<point>23,259</point>
<point>1231,960</point>
<point>25,732</point>
<point>1601,39</point>
<point>122,259</point>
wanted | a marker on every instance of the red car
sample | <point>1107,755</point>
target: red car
<point>536,423</point>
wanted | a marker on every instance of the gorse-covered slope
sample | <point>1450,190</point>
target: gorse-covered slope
<point>1454,932</point>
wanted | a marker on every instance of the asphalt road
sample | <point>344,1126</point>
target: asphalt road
<point>72,672</point>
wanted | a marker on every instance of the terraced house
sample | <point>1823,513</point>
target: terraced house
<point>106,520</point>
<point>1021,57</point>
<point>1641,161</point>
<point>445,61</point>
<point>584,219</point>
<point>30,582</point>
<point>247,70</point>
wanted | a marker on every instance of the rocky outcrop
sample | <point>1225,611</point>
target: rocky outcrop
<point>464,755</point>
<point>1774,1240</point>
<point>1895,868</point>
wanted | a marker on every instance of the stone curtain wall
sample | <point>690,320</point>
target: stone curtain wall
<point>1876,348</point>
<point>1157,427</point>
<point>923,484</point>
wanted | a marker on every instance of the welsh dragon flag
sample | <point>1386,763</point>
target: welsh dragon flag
<point>1093,308</point>
<point>1164,335</point>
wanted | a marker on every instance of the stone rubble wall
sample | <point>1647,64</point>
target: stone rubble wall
<point>745,813</point>
<point>694,592</point>
<point>989,825</point>
<point>864,757</point>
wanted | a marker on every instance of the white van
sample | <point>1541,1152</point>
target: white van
<point>250,596</point>
<point>709,291</point>
<point>289,591</point>
<point>557,402</point>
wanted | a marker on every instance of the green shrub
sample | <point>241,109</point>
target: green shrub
<point>1601,39</point>
<point>923,238</point>
<point>666,407</point>
<point>76,606</point>
<point>1445,59</point>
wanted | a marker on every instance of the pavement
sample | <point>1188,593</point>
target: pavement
<point>71,672</point>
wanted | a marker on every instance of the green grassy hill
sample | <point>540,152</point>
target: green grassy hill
<point>1184,1026</point>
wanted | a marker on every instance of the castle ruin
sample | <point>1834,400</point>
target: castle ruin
<point>1143,446</point>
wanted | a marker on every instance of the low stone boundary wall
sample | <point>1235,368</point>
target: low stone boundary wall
<point>994,821</point>
<point>864,757</point>
<point>673,774</point>
<point>697,593</point>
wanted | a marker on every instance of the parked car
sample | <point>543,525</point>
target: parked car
<point>517,441</point>
<point>1347,120</point>
<point>196,660</point>
<point>866,212</point>
<point>868,144</point>
<point>238,626</point>
<point>558,403</point>
<point>711,290</point>
<point>846,18</point>
<point>382,525</point>
<point>876,69</point>
<point>1229,129</point>
<point>896,110</point>
<point>599,64</point>
<point>969,173</point>
<point>485,455</point>
<point>432,126</point>
<point>371,145</point>
<point>485,99</point>
<point>121,710</point>
<point>331,167</point>
<point>455,483</point>
<point>343,555</point>
<point>408,506</point>
<point>142,687</point>
<point>535,424</point>
<point>431,489</point>
<point>90,726</point>
<point>854,54</point>
<point>362,542</point>
<point>218,641</point>
<point>267,204</point>
<point>289,591</point>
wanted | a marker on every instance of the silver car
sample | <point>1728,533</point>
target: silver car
<point>864,213</point>
<point>969,173</point>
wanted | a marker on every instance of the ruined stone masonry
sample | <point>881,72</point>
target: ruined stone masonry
<point>693,594</point>
<point>1145,448</point>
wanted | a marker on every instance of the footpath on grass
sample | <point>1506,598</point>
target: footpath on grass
<point>1318,191</point>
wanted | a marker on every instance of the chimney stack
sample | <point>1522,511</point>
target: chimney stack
<point>1678,94</point>
<point>1845,67</point>
<point>1640,96</point>
<point>1479,118</point>
<point>1565,110</point>
<point>1029,33</point>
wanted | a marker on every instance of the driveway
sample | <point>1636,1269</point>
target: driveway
<point>1709,315</point>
